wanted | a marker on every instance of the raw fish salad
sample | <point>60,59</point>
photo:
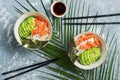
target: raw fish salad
<point>34,27</point>
<point>32,30</point>
<point>88,46</point>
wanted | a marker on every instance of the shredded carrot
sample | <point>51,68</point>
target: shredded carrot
<point>84,43</point>
<point>37,22</point>
<point>44,27</point>
<point>85,47</point>
<point>90,44</point>
<point>89,36</point>
<point>96,41</point>
<point>43,34</point>
<point>80,40</point>
<point>41,26</point>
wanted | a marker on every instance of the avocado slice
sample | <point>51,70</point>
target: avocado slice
<point>26,27</point>
<point>89,56</point>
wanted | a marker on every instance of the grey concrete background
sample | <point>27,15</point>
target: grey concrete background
<point>12,55</point>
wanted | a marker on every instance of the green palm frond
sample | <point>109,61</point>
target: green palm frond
<point>31,5</point>
<point>45,10</point>
<point>62,34</point>
<point>18,10</point>
<point>22,6</point>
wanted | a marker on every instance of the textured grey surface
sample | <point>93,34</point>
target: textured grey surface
<point>12,55</point>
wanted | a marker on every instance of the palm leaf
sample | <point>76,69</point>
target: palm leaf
<point>58,77</point>
<point>58,46</point>
<point>22,6</point>
<point>18,10</point>
<point>31,5</point>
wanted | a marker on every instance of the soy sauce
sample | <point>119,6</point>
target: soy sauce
<point>59,8</point>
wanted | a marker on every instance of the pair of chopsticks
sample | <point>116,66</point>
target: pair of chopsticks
<point>89,23</point>
<point>32,67</point>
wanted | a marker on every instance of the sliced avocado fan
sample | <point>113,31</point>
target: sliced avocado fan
<point>26,27</point>
<point>89,56</point>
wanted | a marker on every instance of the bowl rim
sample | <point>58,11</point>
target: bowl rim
<point>21,18</point>
<point>97,63</point>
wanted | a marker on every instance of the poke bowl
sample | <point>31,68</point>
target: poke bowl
<point>33,30</point>
<point>87,50</point>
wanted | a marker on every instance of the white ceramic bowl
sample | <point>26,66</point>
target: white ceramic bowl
<point>98,62</point>
<point>23,17</point>
<point>53,11</point>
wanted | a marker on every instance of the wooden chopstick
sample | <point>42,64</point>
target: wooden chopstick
<point>99,23</point>
<point>95,16</point>
<point>21,73</point>
<point>22,68</point>
<point>34,66</point>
